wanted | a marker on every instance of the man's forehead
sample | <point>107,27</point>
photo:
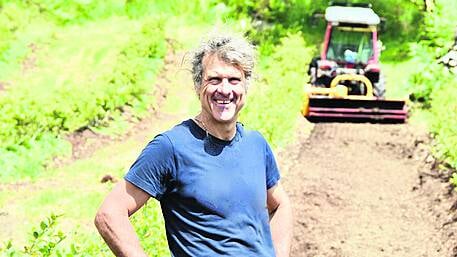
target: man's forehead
<point>214,65</point>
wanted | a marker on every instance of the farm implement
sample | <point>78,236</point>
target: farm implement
<point>346,83</point>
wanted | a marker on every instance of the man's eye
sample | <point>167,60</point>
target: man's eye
<point>214,81</point>
<point>234,81</point>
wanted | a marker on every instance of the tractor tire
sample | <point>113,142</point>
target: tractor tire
<point>312,70</point>
<point>379,88</point>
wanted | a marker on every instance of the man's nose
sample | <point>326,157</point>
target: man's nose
<point>225,87</point>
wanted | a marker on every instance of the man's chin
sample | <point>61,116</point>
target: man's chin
<point>224,117</point>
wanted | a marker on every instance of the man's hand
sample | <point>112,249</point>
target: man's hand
<point>112,219</point>
<point>280,220</point>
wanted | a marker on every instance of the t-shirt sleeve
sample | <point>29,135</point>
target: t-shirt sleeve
<point>153,169</point>
<point>272,171</point>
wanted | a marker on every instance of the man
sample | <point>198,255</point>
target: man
<point>217,183</point>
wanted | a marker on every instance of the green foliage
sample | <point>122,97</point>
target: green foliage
<point>48,241</point>
<point>289,13</point>
<point>149,226</point>
<point>274,102</point>
<point>271,20</point>
<point>432,77</point>
<point>77,11</point>
<point>193,10</point>
<point>453,179</point>
<point>444,124</point>
<point>43,241</point>
<point>29,124</point>
<point>439,28</point>
<point>29,159</point>
<point>433,87</point>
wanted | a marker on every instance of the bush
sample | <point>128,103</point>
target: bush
<point>274,102</point>
<point>444,123</point>
<point>432,86</point>
<point>432,77</point>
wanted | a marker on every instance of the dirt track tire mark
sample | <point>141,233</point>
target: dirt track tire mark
<point>355,193</point>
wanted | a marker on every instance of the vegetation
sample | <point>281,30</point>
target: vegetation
<point>67,66</point>
<point>432,87</point>
<point>279,90</point>
<point>96,85</point>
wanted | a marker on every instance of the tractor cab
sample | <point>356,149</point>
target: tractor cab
<point>350,47</point>
<point>351,36</point>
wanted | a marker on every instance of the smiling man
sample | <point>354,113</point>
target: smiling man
<point>217,182</point>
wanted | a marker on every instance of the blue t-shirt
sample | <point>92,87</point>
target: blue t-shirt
<point>212,192</point>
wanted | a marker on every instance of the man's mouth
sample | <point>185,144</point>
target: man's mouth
<point>224,100</point>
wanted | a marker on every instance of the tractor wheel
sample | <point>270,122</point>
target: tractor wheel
<point>379,88</point>
<point>312,70</point>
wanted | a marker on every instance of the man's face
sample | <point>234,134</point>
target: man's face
<point>223,91</point>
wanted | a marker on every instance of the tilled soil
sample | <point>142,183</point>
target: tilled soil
<point>367,190</point>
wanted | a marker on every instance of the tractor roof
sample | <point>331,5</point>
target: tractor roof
<point>350,14</point>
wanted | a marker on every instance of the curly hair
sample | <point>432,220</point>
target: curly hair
<point>231,48</point>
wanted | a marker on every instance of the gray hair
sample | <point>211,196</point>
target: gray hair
<point>232,49</point>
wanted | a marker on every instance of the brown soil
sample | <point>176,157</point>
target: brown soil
<point>368,190</point>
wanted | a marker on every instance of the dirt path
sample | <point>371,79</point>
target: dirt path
<point>357,191</point>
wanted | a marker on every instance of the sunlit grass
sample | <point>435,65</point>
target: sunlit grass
<point>396,76</point>
<point>73,55</point>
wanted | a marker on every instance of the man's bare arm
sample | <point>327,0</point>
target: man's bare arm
<point>280,220</point>
<point>112,219</point>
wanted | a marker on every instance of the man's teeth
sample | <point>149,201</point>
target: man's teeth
<point>223,101</point>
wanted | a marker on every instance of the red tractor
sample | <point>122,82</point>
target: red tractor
<point>346,83</point>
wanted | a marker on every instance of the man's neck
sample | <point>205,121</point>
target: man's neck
<point>222,130</point>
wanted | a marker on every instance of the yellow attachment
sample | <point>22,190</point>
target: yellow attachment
<point>305,107</point>
<point>353,77</point>
<point>337,90</point>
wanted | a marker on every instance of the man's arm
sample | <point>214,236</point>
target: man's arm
<point>280,220</point>
<point>112,219</point>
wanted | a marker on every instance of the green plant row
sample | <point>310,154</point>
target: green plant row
<point>36,115</point>
<point>433,87</point>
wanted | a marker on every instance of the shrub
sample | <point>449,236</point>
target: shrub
<point>42,243</point>
<point>274,101</point>
<point>444,123</point>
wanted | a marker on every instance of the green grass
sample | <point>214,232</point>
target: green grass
<point>397,75</point>
<point>73,190</point>
<point>74,77</point>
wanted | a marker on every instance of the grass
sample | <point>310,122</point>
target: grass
<point>74,189</point>
<point>397,75</point>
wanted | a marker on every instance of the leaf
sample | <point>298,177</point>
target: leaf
<point>35,234</point>
<point>9,244</point>
<point>43,225</point>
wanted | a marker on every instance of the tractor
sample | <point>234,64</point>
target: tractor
<point>346,82</point>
